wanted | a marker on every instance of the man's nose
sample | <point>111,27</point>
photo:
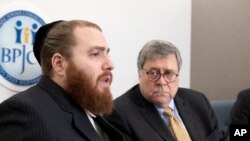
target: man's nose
<point>108,65</point>
<point>161,80</point>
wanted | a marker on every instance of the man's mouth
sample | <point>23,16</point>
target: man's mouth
<point>107,79</point>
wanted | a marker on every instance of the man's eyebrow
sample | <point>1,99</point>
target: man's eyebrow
<point>158,69</point>
<point>100,48</point>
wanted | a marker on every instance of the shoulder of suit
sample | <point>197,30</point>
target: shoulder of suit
<point>244,94</point>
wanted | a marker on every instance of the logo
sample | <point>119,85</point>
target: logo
<point>239,132</point>
<point>18,65</point>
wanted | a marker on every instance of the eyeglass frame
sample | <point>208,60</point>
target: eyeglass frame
<point>161,74</point>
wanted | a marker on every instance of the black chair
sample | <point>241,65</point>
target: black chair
<point>222,109</point>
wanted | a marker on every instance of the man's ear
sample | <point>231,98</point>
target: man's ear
<point>58,64</point>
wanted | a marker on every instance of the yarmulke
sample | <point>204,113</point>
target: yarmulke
<point>40,36</point>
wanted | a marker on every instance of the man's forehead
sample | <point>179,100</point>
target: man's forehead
<point>161,62</point>
<point>168,58</point>
<point>91,38</point>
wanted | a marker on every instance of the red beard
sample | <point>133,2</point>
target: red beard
<point>81,90</point>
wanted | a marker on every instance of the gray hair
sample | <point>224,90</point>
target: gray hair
<point>157,49</point>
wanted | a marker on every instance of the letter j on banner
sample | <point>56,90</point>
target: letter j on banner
<point>18,65</point>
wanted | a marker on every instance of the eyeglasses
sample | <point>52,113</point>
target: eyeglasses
<point>155,75</point>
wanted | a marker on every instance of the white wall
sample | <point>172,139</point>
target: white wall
<point>127,26</point>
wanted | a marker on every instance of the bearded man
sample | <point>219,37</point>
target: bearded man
<point>74,91</point>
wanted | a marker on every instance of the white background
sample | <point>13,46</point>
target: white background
<point>127,25</point>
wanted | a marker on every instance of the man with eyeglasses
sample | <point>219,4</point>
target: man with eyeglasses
<point>141,112</point>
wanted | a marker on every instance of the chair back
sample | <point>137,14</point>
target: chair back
<point>222,109</point>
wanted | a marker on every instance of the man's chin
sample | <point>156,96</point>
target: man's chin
<point>104,90</point>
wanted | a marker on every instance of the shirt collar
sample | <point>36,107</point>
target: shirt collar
<point>171,105</point>
<point>90,114</point>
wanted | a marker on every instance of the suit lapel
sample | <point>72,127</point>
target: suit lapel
<point>184,111</point>
<point>79,117</point>
<point>152,117</point>
<point>82,122</point>
<point>157,123</point>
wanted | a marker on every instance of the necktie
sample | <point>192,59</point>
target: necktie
<point>112,133</point>
<point>176,127</point>
<point>100,130</point>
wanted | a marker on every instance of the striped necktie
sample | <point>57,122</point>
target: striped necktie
<point>176,127</point>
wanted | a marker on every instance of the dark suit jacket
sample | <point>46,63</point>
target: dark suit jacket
<point>240,113</point>
<point>139,120</point>
<point>46,113</point>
